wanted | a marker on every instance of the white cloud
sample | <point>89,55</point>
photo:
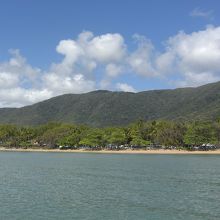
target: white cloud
<point>193,56</point>
<point>199,51</point>
<point>71,50</point>
<point>8,80</point>
<point>125,87</point>
<point>17,81</point>
<point>105,83</point>
<point>82,56</point>
<point>107,48</point>
<point>113,70</point>
<point>68,84</point>
<point>18,66</point>
<point>198,12</point>
<point>141,60</point>
<point>19,96</point>
<point>165,63</point>
<point>187,60</point>
<point>193,79</point>
<point>21,84</point>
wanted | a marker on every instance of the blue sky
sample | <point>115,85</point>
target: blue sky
<point>52,47</point>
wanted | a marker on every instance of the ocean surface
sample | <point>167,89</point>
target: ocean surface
<point>109,186</point>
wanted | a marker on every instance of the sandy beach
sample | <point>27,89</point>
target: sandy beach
<point>160,151</point>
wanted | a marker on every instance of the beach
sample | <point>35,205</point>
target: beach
<point>129,151</point>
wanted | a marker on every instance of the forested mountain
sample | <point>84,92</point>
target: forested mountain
<point>106,108</point>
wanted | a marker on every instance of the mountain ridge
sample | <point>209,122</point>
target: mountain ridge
<point>108,108</point>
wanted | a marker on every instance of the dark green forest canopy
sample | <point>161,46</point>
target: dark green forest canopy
<point>141,134</point>
<point>105,108</point>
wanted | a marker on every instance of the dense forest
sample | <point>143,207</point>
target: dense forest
<point>150,134</point>
<point>105,108</point>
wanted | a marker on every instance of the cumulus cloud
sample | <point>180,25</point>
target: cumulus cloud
<point>18,96</point>
<point>8,80</point>
<point>193,79</point>
<point>82,56</point>
<point>59,84</point>
<point>17,66</point>
<point>97,62</point>
<point>194,57</point>
<point>107,48</point>
<point>17,81</point>
<point>125,87</point>
<point>142,59</point>
<point>113,70</point>
<point>22,84</point>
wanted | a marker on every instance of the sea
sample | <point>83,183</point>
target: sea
<point>93,186</point>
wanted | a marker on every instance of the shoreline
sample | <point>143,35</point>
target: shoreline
<point>159,151</point>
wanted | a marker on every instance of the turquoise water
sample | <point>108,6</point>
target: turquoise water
<point>109,186</point>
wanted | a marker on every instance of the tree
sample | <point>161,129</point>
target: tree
<point>9,135</point>
<point>169,133</point>
<point>142,133</point>
<point>115,136</point>
<point>54,134</point>
<point>198,133</point>
<point>138,141</point>
<point>92,138</point>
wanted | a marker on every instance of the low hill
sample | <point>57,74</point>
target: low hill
<point>106,108</point>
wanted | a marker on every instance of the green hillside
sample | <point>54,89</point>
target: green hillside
<point>105,108</point>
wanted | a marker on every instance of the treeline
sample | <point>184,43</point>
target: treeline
<point>139,134</point>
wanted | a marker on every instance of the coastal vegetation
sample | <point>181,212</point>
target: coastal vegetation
<point>203,135</point>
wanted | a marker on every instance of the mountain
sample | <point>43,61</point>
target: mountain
<point>106,108</point>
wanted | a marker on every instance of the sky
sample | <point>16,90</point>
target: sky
<point>49,48</point>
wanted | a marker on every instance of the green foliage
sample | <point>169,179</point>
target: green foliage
<point>92,137</point>
<point>116,136</point>
<point>137,141</point>
<point>169,133</point>
<point>161,132</point>
<point>8,135</point>
<point>199,133</point>
<point>216,131</point>
<point>55,133</point>
<point>105,108</point>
